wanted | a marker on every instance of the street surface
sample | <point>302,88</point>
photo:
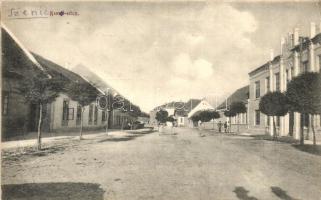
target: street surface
<point>184,166</point>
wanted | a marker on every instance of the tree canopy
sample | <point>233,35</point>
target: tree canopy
<point>205,116</point>
<point>238,107</point>
<point>83,93</point>
<point>304,93</point>
<point>274,104</point>
<point>161,116</point>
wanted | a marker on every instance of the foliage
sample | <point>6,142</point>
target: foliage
<point>170,119</point>
<point>205,116</point>
<point>238,107</point>
<point>304,93</point>
<point>304,96</point>
<point>274,104</point>
<point>161,116</point>
<point>40,89</point>
<point>83,93</point>
<point>229,113</point>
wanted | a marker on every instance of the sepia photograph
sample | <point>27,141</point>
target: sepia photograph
<point>160,100</point>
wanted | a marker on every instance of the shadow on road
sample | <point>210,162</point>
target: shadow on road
<point>120,139</point>
<point>53,191</point>
<point>281,194</point>
<point>242,194</point>
<point>309,148</point>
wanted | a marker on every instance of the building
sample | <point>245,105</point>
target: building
<point>240,95</point>
<point>20,117</point>
<point>298,55</point>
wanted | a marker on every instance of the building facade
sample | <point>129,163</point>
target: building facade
<point>19,117</point>
<point>298,55</point>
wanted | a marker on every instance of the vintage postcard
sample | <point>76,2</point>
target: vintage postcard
<point>162,100</point>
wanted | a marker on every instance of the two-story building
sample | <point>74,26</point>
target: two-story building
<point>298,55</point>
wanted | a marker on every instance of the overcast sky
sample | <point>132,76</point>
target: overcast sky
<point>158,52</point>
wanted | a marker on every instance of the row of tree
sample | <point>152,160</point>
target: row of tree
<point>41,89</point>
<point>303,95</point>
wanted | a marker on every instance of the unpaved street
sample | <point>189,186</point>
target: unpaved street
<point>145,166</point>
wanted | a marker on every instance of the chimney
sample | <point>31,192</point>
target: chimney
<point>312,30</point>
<point>282,45</point>
<point>296,36</point>
<point>271,55</point>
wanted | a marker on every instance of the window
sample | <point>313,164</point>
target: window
<point>90,117</point>
<point>267,83</point>
<point>65,112</point>
<point>71,114</point>
<point>96,115</point>
<point>65,109</point>
<point>5,103</point>
<point>103,115</point>
<point>319,56</point>
<point>287,76</point>
<point>277,81</point>
<point>78,117</point>
<point>257,117</point>
<point>304,66</point>
<point>257,89</point>
<point>292,72</point>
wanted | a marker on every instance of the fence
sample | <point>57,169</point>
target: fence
<point>233,127</point>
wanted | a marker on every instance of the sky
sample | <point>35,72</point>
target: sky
<point>153,52</point>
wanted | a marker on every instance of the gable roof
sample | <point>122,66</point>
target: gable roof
<point>11,42</point>
<point>203,105</point>
<point>241,94</point>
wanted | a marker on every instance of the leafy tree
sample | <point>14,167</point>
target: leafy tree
<point>238,107</point>
<point>161,116</point>
<point>195,118</point>
<point>40,89</point>
<point>304,97</point>
<point>170,119</point>
<point>84,94</point>
<point>274,104</point>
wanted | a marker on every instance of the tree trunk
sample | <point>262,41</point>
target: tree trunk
<point>313,131</point>
<point>302,130</point>
<point>274,128</point>
<point>39,127</point>
<point>238,123</point>
<point>81,122</point>
<point>307,137</point>
<point>107,121</point>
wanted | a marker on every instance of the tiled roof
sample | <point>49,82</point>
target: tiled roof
<point>241,94</point>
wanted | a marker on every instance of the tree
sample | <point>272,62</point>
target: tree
<point>274,104</point>
<point>40,89</point>
<point>229,113</point>
<point>195,118</point>
<point>205,116</point>
<point>304,96</point>
<point>84,94</point>
<point>238,107</point>
<point>170,119</point>
<point>161,116</point>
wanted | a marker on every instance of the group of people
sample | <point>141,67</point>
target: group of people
<point>226,126</point>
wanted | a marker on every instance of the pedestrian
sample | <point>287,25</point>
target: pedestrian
<point>219,126</point>
<point>225,126</point>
